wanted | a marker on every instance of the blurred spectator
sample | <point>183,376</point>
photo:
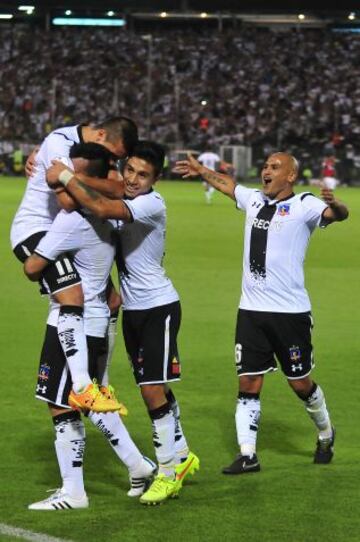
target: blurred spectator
<point>297,89</point>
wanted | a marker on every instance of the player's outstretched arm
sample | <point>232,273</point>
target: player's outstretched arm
<point>192,168</point>
<point>86,196</point>
<point>336,210</point>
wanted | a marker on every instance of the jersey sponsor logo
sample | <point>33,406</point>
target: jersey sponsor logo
<point>44,372</point>
<point>261,224</point>
<point>283,209</point>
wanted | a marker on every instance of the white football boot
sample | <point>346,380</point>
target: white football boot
<point>60,500</point>
<point>141,477</point>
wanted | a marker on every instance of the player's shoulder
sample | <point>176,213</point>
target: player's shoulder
<point>65,133</point>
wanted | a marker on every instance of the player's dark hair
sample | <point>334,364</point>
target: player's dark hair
<point>100,158</point>
<point>120,128</point>
<point>151,152</point>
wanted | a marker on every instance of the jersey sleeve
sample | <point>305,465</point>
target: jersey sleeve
<point>242,196</point>
<point>56,147</point>
<point>145,209</point>
<point>64,235</point>
<point>313,209</point>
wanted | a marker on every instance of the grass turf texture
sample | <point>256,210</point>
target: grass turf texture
<point>291,499</point>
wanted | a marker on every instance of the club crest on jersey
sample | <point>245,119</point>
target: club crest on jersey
<point>44,372</point>
<point>295,354</point>
<point>283,209</point>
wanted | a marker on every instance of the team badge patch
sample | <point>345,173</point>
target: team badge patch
<point>295,354</point>
<point>283,209</point>
<point>175,366</point>
<point>140,358</point>
<point>44,372</point>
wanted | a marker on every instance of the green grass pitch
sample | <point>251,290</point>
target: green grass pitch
<point>291,499</point>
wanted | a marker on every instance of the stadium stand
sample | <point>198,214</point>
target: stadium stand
<point>268,89</point>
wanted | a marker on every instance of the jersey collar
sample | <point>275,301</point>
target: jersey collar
<point>276,201</point>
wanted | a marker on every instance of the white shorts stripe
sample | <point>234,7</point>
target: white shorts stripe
<point>26,250</point>
<point>62,383</point>
<point>166,347</point>
<point>9,530</point>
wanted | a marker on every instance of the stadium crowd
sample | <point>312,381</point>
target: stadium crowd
<point>297,89</point>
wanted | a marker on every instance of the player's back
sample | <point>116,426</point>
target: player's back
<point>39,207</point>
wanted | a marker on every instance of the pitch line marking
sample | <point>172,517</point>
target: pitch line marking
<point>28,535</point>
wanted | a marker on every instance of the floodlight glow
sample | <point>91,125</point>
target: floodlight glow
<point>163,14</point>
<point>301,16</point>
<point>203,15</point>
<point>26,8</point>
<point>68,12</point>
<point>110,13</point>
<point>73,21</point>
<point>203,102</point>
<point>6,16</point>
<point>351,16</point>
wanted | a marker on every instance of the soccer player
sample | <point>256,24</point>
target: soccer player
<point>274,317</point>
<point>35,216</point>
<point>211,160</point>
<point>90,239</point>
<point>151,307</point>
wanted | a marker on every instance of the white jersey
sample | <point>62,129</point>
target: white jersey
<point>142,278</point>
<point>276,238</point>
<point>209,160</point>
<point>90,239</point>
<point>39,207</point>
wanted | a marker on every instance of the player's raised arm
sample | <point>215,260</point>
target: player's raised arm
<point>86,196</point>
<point>192,168</point>
<point>336,210</point>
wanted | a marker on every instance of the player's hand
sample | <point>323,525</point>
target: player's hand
<point>188,168</point>
<point>327,195</point>
<point>30,165</point>
<point>52,174</point>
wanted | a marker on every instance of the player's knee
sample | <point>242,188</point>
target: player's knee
<point>153,395</point>
<point>31,270</point>
<point>302,386</point>
<point>250,383</point>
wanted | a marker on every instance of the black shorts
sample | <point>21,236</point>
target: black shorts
<point>150,340</point>
<point>54,380</point>
<point>260,336</point>
<point>58,275</point>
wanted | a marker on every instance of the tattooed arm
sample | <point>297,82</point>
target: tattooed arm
<point>87,197</point>
<point>192,168</point>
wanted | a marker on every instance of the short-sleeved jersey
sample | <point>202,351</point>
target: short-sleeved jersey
<point>140,251</point>
<point>39,207</point>
<point>209,160</point>
<point>276,238</point>
<point>89,239</point>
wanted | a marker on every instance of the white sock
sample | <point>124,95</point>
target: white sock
<point>111,336</point>
<point>70,447</point>
<point>114,430</point>
<point>316,408</point>
<point>181,445</point>
<point>163,424</point>
<point>73,342</point>
<point>247,417</point>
